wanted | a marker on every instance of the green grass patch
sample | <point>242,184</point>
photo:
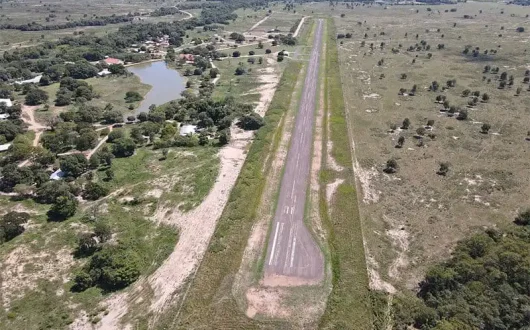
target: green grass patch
<point>349,302</point>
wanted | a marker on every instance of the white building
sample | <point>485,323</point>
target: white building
<point>57,175</point>
<point>4,116</point>
<point>187,129</point>
<point>35,80</point>
<point>8,102</point>
<point>4,147</point>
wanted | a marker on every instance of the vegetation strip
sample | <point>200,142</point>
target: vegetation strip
<point>348,304</point>
<point>209,301</point>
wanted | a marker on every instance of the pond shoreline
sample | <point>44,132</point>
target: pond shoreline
<point>166,83</point>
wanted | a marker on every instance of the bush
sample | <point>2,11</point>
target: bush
<point>251,121</point>
<point>12,225</point>
<point>63,208</point>
<point>94,191</point>
<point>36,96</point>
<point>132,96</point>
<point>112,268</point>
<point>268,51</point>
<point>123,147</point>
<point>115,135</point>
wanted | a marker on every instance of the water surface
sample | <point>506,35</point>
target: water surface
<point>167,84</point>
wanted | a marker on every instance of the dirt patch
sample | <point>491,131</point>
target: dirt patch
<point>331,188</point>
<point>22,269</point>
<point>267,302</point>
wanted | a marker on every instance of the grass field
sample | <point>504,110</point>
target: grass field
<point>348,305</point>
<point>37,266</point>
<point>412,218</point>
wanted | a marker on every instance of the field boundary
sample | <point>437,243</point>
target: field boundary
<point>349,301</point>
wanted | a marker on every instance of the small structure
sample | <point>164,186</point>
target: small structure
<point>189,58</point>
<point>34,80</point>
<point>57,175</point>
<point>112,60</point>
<point>4,147</point>
<point>187,130</point>
<point>4,116</point>
<point>104,72</point>
<point>7,102</point>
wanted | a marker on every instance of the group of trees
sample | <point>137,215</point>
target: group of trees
<point>485,285</point>
<point>12,225</point>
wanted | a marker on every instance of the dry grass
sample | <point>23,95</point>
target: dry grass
<point>417,215</point>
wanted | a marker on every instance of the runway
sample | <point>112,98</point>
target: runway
<point>291,250</point>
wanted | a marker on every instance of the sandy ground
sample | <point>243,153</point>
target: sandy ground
<point>258,23</point>
<point>269,79</point>
<point>295,34</point>
<point>28,116</point>
<point>16,280</point>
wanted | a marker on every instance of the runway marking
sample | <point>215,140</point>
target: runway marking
<point>292,190</point>
<point>274,243</point>
<point>292,251</point>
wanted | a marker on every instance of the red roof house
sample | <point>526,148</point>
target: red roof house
<point>111,60</point>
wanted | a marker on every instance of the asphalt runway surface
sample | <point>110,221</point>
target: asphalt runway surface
<point>292,251</point>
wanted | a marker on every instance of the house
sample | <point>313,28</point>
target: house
<point>7,102</point>
<point>57,175</point>
<point>4,116</point>
<point>112,60</point>
<point>189,58</point>
<point>4,147</point>
<point>187,130</point>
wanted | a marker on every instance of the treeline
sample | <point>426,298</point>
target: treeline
<point>485,285</point>
<point>99,21</point>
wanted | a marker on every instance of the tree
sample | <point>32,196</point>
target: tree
<point>110,174</point>
<point>94,191</point>
<point>466,92</point>
<point>63,208</point>
<point>444,168</point>
<point>142,116</point>
<point>74,165</point>
<point>123,147</point>
<point>224,137</point>
<point>421,131</point>
<point>102,231</point>
<point>133,96</point>
<point>36,96</point>
<point>391,166</point>
<point>268,51</point>
<point>523,218</point>
<point>401,141</point>
<point>12,225</point>
<point>252,121</point>
<point>240,70</point>
<point>88,138</point>
<point>86,244</point>
<point>462,115</point>
<point>213,73</point>
<point>236,53</point>
<point>485,128</point>
<point>117,69</point>
<point>405,124</point>
<point>520,29</point>
<point>115,135</point>
<point>430,122</point>
<point>51,190</point>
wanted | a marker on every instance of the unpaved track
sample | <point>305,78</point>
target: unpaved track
<point>292,252</point>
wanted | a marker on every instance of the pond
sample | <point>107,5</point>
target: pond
<point>167,84</point>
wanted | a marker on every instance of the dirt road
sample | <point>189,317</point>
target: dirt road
<point>292,251</point>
